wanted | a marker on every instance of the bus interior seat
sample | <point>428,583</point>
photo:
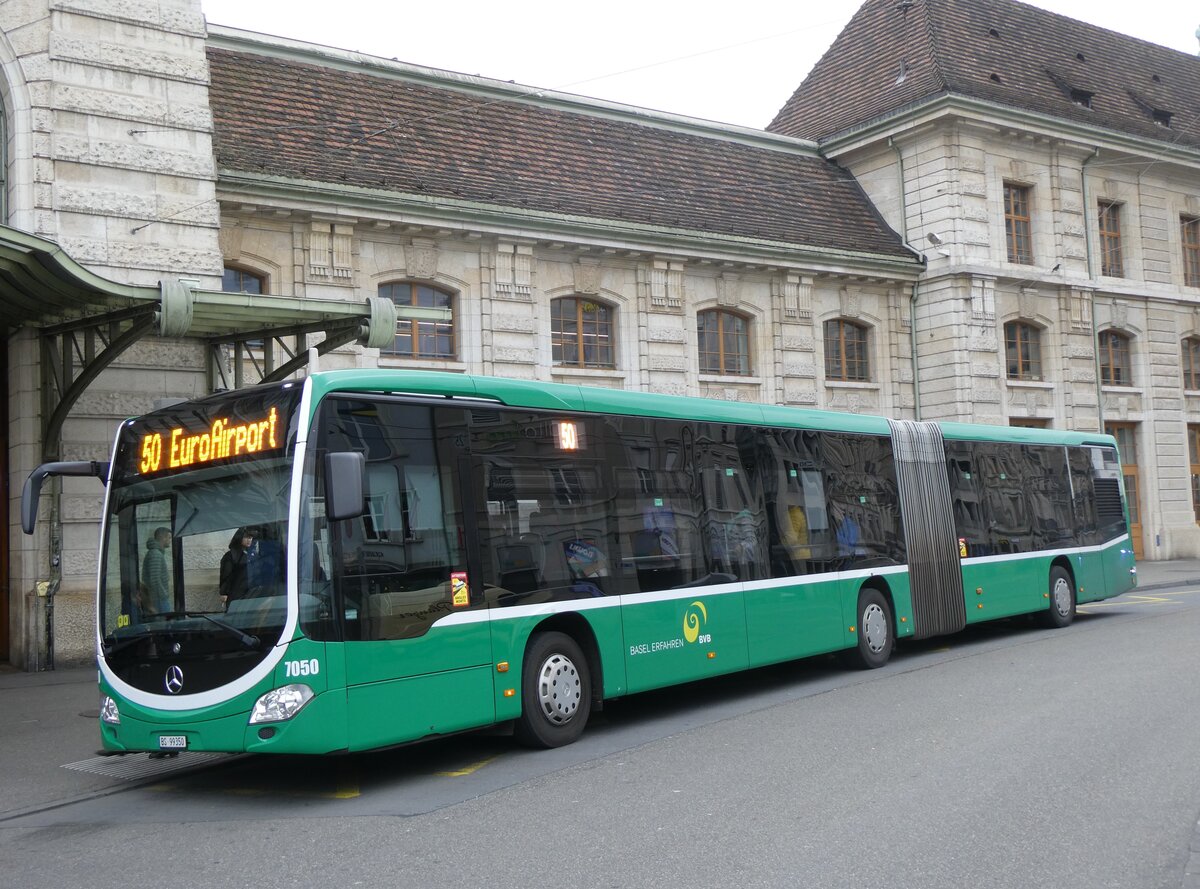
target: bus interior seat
<point>517,567</point>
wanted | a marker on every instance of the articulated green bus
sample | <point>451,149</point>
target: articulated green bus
<point>367,558</point>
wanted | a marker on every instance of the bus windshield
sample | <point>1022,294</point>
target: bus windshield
<point>194,541</point>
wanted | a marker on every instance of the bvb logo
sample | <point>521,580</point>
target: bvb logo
<point>694,618</point>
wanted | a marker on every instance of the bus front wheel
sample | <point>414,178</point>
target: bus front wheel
<point>875,638</point>
<point>1062,600</point>
<point>556,692</point>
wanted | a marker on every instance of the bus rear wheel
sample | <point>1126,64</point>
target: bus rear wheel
<point>1062,600</point>
<point>875,638</point>
<point>556,692</point>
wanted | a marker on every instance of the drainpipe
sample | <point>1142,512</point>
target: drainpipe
<point>1091,268</point>
<point>912,303</point>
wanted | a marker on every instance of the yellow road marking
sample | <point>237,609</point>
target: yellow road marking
<point>1134,599</point>
<point>345,788</point>
<point>468,770</point>
<point>347,783</point>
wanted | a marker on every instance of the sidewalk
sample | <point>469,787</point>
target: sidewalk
<point>51,721</point>
<point>1159,575</point>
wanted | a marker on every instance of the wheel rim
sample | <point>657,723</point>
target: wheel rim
<point>1062,596</point>
<point>875,628</point>
<point>559,689</point>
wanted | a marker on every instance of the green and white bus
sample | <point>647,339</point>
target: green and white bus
<point>426,553</point>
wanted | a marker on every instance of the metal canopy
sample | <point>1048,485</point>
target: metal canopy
<point>41,284</point>
<point>86,321</point>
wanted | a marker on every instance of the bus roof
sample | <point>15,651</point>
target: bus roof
<point>564,397</point>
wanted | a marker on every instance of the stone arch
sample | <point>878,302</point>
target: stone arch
<point>16,141</point>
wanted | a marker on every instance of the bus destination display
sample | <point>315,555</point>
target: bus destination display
<point>182,448</point>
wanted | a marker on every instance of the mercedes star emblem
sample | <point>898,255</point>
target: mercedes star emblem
<point>174,680</point>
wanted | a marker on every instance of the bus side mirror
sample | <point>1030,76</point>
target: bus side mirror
<point>33,484</point>
<point>345,485</point>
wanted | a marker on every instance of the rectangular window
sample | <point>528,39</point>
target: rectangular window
<point>846,354</point>
<point>1190,229</point>
<point>1111,262</point>
<point>1017,226</point>
<point>1115,368</point>
<point>1023,351</point>
<point>1191,363</point>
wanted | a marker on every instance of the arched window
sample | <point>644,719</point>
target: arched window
<point>724,342</point>
<point>235,280</point>
<point>581,332</point>
<point>424,321</point>
<point>1114,359</point>
<point>1191,363</point>
<point>4,167</point>
<point>1022,351</point>
<point>846,355</point>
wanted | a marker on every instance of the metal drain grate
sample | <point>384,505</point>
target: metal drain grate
<point>136,766</point>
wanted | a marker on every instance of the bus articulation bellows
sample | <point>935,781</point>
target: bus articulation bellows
<point>367,558</point>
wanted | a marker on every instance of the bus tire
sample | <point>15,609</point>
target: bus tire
<point>556,692</point>
<point>1061,611</point>
<point>875,637</point>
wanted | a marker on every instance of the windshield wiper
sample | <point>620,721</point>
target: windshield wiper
<point>111,648</point>
<point>245,638</point>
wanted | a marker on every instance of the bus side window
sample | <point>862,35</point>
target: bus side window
<point>969,522</point>
<point>864,502</point>
<point>1010,528</point>
<point>393,567</point>
<point>656,510</point>
<point>1048,491</point>
<point>1083,496</point>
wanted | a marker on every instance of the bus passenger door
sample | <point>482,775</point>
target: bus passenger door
<point>417,639</point>
<point>697,530</point>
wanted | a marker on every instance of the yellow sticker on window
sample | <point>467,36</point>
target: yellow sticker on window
<point>459,595</point>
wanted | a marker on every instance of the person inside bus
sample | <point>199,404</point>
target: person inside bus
<point>156,572</point>
<point>264,563</point>
<point>233,566</point>
<point>794,536</point>
<point>849,539</point>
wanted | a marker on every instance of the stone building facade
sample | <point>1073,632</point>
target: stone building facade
<point>528,234</point>
<point>108,154</point>
<point>1049,171</point>
<point>148,148</point>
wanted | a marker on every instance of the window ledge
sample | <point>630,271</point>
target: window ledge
<point>852,384</point>
<point>606,373</point>
<point>730,379</point>
<point>1121,390</point>
<point>399,361</point>
<point>1028,384</point>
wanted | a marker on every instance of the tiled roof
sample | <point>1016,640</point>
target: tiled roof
<point>304,120</point>
<point>999,51</point>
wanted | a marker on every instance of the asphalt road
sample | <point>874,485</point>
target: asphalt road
<point>1006,756</point>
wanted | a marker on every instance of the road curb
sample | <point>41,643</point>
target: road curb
<point>1164,585</point>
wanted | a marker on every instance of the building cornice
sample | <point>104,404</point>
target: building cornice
<point>237,187</point>
<point>929,111</point>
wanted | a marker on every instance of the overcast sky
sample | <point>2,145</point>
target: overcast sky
<point>735,62</point>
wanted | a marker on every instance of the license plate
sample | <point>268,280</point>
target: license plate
<point>172,742</point>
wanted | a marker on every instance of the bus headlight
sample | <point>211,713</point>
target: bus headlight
<point>280,704</point>
<point>109,712</point>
